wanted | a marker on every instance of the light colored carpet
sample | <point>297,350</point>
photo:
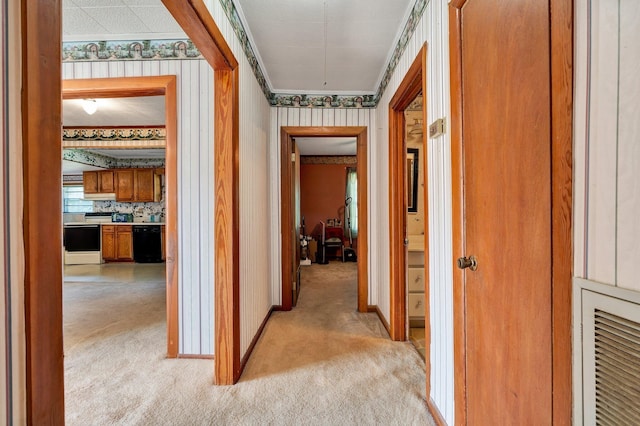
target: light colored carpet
<point>320,364</point>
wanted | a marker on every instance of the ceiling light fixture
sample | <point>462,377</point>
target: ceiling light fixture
<point>90,106</point>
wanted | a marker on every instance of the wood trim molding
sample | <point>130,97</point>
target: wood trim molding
<point>435,413</point>
<point>255,339</point>
<point>184,356</point>
<point>383,320</point>
<point>196,21</point>
<point>413,83</point>
<point>227,253</point>
<point>286,174</point>
<point>150,86</point>
<point>42,171</point>
<point>561,206</point>
<point>457,214</point>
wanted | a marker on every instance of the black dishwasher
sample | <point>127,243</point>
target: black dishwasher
<point>147,244</point>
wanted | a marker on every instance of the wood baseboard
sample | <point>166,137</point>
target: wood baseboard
<point>203,356</point>
<point>374,308</point>
<point>246,356</point>
<point>435,413</point>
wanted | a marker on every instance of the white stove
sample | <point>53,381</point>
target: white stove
<point>82,240</point>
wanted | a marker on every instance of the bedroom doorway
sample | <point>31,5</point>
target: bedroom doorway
<point>291,218</point>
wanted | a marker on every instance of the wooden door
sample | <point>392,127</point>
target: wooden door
<point>296,223</point>
<point>506,143</point>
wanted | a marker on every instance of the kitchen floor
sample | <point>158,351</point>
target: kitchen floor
<point>115,272</point>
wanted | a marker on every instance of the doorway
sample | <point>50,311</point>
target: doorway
<point>408,250</point>
<point>149,86</point>
<point>290,246</point>
<point>416,226</point>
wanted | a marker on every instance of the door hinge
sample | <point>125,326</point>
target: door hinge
<point>293,157</point>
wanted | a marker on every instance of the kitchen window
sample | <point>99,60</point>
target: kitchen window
<point>73,200</point>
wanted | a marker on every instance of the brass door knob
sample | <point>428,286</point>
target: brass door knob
<point>468,262</point>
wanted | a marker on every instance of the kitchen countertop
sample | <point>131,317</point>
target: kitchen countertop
<point>115,223</point>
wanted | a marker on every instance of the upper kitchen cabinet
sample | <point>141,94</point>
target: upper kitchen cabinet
<point>98,182</point>
<point>138,185</point>
<point>125,185</point>
<point>145,183</point>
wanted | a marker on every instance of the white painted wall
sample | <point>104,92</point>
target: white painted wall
<point>606,145</point>
<point>433,29</point>
<point>283,116</point>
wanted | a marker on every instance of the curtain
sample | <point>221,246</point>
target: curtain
<point>351,211</point>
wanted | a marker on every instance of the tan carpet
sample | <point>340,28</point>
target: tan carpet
<point>321,364</point>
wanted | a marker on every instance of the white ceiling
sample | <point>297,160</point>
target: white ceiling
<point>288,36</point>
<point>73,168</point>
<point>138,111</point>
<point>326,146</point>
<point>104,19</point>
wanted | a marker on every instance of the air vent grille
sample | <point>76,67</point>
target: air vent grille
<point>617,359</point>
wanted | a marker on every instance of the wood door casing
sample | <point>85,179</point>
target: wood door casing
<point>287,134</point>
<point>295,205</point>
<point>511,201</point>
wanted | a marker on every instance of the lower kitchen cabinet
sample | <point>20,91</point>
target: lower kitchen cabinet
<point>117,242</point>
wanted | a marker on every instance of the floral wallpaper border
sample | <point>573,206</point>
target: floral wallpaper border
<point>131,134</point>
<point>185,49</point>
<point>104,50</point>
<point>328,159</point>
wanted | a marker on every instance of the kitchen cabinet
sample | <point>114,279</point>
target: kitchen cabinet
<point>137,185</point>
<point>125,184</point>
<point>98,182</point>
<point>117,242</point>
<point>144,185</point>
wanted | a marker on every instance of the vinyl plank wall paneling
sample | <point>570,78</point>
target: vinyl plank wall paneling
<point>606,149</point>
<point>283,116</point>
<point>255,233</point>
<point>432,28</point>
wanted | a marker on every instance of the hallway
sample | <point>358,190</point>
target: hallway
<point>322,363</point>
